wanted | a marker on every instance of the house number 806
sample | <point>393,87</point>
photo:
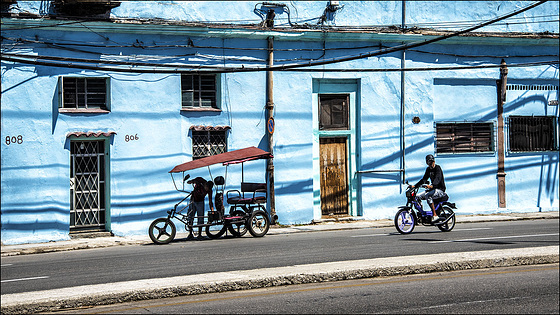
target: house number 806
<point>14,139</point>
<point>131,137</point>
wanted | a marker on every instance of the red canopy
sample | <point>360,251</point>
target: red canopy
<point>232,157</point>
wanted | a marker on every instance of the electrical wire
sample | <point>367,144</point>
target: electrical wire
<point>331,60</point>
<point>465,23</point>
<point>324,48</point>
<point>196,70</point>
<point>524,64</point>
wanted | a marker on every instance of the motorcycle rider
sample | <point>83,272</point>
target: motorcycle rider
<point>437,189</point>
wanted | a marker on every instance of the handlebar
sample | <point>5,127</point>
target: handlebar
<point>425,186</point>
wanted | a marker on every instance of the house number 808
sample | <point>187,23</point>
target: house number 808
<point>131,137</point>
<point>14,139</point>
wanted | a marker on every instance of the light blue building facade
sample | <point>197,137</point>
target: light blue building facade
<point>96,112</point>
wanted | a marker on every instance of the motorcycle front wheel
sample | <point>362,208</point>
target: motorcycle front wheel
<point>446,212</point>
<point>162,231</point>
<point>405,221</point>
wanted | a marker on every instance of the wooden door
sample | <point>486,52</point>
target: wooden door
<point>334,176</point>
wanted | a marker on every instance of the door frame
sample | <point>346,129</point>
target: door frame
<point>344,140</point>
<point>107,141</point>
<point>337,86</point>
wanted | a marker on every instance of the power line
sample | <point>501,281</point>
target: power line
<point>185,69</point>
<point>405,46</point>
<point>524,64</point>
<point>61,46</point>
<point>148,64</point>
<point>312,63</point>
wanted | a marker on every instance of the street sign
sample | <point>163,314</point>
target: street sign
<point>270,125</point>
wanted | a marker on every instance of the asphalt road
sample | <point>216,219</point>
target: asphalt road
<point>65,269</point>
<point>510,290</point>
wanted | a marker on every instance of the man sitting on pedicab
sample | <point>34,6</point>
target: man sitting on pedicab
<point>202,188</point>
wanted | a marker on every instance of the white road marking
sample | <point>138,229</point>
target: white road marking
<point>388,234</point>
<point>6,265</point>
<point>368,235</point>
<point>24,279</point>
<point>493,238</point>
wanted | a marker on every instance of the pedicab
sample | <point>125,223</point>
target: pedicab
<point>247,206</point>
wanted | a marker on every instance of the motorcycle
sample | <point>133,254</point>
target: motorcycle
<point>413,213</point>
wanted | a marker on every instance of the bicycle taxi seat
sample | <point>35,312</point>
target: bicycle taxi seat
<point>251,193</point>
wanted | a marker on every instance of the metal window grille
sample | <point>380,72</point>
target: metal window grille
<point>84,93</point>
<point>207,143</point>
<point>87,185</point>
<point>532,87</point>
<point>532,133</point>
<point>464,137</point>
<point>333,112</point>
<point>198,91</point>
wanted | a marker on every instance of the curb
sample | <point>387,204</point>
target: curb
<point>128,291</point>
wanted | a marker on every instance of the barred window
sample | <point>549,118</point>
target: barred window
<point>84,93</point>
<point>532,133</point>
<point>198,91</point>
<point>208,142</point>
<point>464,137</point>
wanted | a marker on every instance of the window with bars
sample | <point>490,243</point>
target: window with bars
<point>453,138</point>
<point>84,93</point>
<point>208,142</point>
<point>333,112</point>
<point>532,133</point>
<point>199,91</point>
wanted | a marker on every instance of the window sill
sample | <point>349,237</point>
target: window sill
<point>199,109</point>
<point>83,111</point>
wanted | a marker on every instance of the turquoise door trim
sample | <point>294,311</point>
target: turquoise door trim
<point>352,88</point>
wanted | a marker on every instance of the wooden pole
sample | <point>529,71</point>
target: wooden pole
<point>502,83</point>
<point>270,129</point>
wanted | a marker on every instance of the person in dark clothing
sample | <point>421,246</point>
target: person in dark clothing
<point>201,189</point>
<point>435,190</point>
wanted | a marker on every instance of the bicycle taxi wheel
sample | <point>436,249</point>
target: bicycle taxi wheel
<point>216,230</point>
<point>258,223</point>
<point>238,227</point>
<point>162,231</point>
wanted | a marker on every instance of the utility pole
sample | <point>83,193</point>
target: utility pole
<point>501,84</point>
<point>403,96</point>
<point>270,129</point>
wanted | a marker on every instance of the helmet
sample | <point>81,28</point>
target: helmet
<point>429,159</point>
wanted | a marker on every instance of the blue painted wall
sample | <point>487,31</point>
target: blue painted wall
<point>35,173</point>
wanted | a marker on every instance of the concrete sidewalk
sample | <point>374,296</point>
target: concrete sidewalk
<point>325,225</point>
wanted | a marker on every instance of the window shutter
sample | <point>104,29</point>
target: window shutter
<point>464,137</point>
<point>60,92</point>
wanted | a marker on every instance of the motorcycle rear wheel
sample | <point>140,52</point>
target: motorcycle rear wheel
<point>405,221</point>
